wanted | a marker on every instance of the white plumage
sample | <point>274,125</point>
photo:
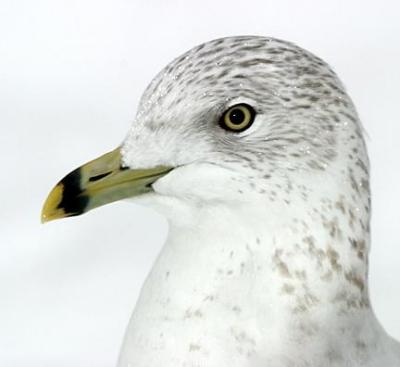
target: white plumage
<point>266,259</point>
<point>256,156</point>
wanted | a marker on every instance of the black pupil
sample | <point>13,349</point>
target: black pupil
<point>236,116</point>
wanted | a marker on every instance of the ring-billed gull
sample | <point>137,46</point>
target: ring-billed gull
<point>254,152</point>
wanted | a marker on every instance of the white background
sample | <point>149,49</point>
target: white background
<point>71,74</point>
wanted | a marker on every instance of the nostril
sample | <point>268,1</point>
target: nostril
<point>99,177</point>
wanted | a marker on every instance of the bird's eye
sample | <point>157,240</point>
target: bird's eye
<point>237,118</point>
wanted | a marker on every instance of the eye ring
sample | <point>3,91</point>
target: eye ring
<point>237,118</point>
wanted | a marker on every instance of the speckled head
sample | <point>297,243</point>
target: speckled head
<point>302,142</point>
<point>305,132</point>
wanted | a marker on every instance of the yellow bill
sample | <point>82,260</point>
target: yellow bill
<point>96,183</point>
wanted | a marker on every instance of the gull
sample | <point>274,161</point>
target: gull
<point>253,151</point>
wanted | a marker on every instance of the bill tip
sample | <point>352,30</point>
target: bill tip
<point>51,209</point>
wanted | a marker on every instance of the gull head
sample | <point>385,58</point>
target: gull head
<point>234,119</point>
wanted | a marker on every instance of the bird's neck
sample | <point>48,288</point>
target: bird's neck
<point>291,258</point>
<point>268,258</point>
<point>259,273</point>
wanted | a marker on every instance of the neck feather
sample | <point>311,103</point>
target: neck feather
<point>280,269</point>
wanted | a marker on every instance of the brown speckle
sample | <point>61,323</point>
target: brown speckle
<point>340,205</point>
<point>236,309</point>
<point>355,279</point>
<point>193,314</point>
<point>194,347</point>
<point>209,298</point>
<point>280,264</point>
<point>359,247</point>
<point>333,257</point>
<point>287,288</point>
